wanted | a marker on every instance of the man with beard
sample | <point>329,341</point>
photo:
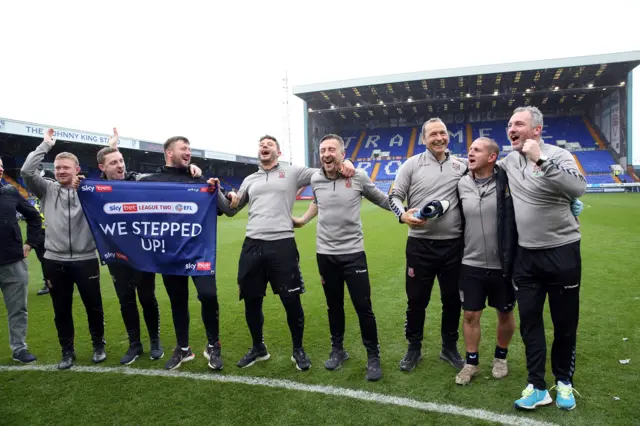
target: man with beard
<point>70,255</point>
<point>177,154</point>
<point>434,247</point>
<point>269,252</point>
<point>544,179</point>
<point>340,250</point>
<point>14,274</point>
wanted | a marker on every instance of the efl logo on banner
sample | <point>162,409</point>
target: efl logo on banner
<point>151,226</point>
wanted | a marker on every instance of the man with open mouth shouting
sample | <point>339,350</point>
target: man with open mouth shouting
<point>269,252</point>
<point>544,179</point>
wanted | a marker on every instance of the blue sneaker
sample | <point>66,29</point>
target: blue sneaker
<point>564,397</point>
<point>532,398</point>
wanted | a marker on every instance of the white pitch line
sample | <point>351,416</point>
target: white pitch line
<point>291,385</point>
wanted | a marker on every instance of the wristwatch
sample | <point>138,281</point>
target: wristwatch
<point>541,160</point>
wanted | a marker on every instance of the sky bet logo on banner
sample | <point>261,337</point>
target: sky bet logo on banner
<point>166,228</point>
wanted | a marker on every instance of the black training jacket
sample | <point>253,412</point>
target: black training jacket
<point>10,235</point>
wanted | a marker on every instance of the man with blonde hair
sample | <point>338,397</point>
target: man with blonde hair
<point>70,256</point>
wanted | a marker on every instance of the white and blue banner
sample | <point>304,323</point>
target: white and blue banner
<point>166,228</point>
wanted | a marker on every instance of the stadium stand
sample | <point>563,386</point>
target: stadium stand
<point>393,146</point>
<point>595,161</point>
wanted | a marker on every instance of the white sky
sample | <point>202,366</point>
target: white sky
<point>212,71</point>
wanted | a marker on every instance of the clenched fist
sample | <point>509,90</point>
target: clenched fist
<point>531,149</point>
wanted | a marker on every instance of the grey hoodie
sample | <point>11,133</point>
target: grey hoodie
<point>68,237</point>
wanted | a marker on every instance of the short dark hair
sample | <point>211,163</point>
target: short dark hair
<point>272,138</point>
<point>104,152</point>
<point>171,141</point>
<point>333,136</point>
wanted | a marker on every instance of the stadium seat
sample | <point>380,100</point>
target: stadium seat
<point>350,141</point>
<point>598,161</point>
<point>367,166</point>
<point>598,179</point>
<point>388,169</point>
<point>384,185</point>
<point>395,141</point>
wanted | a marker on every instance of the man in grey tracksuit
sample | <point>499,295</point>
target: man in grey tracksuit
<point>490,239</point>
<point>340,250</point>
<point>434,247</point>
<point>70,255</point>
<point>543,180</point>
<point>269,252</point>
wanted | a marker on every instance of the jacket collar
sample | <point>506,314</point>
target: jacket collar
<point>430,155</point>
<point>276,167</point>
<point>174,170</point>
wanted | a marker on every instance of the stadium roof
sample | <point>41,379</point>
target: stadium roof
<point>555,85</point>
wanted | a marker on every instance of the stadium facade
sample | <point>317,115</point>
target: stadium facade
<point>587,102</point>
<point>18,139</point>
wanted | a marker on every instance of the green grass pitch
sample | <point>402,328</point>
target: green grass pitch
<point>610,301</point>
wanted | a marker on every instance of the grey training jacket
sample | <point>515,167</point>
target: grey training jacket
<point>421,179</point>
<point>339,228</point>
<point>542,197</point>
<point>270,195</point>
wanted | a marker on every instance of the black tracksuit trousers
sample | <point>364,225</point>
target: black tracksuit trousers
<point>426,260</point>
<point>127,281</point>
<point>556,272</point>
<point>352,268</point>
<point>85,274</point>
<point>178,290</point>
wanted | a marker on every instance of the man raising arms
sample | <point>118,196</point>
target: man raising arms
<point>340,250</point>
<point>269,252</point>
<point>127,280</point>
<point>177,154</point>
<point>70,255</point>
<point>434,247</point>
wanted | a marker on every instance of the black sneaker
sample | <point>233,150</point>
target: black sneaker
<point>179,356</point>
<point>452,356</point>
<point>411,360</point>
<point>212,353</point>
<point>336,358</point>
<point>24,356</point>
<point>374,369</point>
<point>99,354</point>
<point>254,355</point>
<point>67,360</point>
<point>303,363</point>
<point>135,350</point>
<point>156,349</point>
<point>43,290</point>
